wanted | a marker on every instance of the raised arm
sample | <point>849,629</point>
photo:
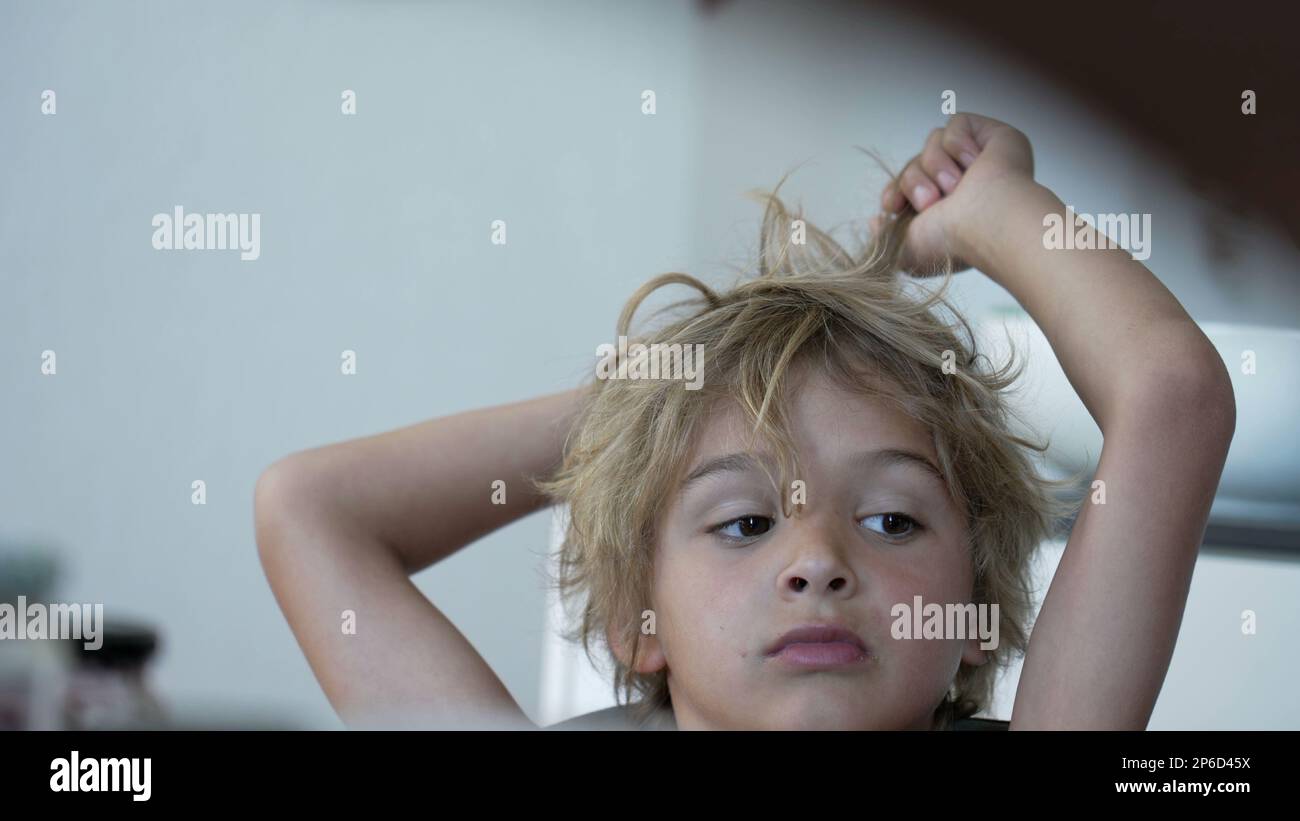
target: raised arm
<point>342,527</point>
<point>1156,387</point>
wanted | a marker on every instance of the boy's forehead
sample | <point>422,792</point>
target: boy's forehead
<point>826,420</point>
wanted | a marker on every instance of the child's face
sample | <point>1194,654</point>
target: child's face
<point>722,603</point>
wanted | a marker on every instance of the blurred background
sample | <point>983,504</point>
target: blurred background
<point>175,368</point>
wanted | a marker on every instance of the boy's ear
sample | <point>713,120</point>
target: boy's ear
<point>650,655</point>
<point>972,654</point>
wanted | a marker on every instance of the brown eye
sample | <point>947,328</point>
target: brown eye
<point>745,527</point>
<point>894,525</point>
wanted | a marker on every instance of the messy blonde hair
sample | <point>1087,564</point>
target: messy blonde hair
<point>810,303</point>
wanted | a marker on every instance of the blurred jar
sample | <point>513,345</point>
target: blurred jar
<point>33,672</point>
<point>108,689</point>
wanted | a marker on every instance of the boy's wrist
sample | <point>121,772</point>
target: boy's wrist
<point>1010,214</point>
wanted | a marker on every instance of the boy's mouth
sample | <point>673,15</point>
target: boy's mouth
<point>819,646</point>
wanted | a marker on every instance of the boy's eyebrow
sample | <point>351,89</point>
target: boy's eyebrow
<point>884,457</point>
<point>900,456</point>
<point>733,462</point>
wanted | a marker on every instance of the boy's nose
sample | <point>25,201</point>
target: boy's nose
<point>817,567</point>
<point>799,584</point>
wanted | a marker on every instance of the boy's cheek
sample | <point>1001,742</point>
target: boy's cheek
<point>694,585</point>
<point>947,579</point>
<point>706,615</point>
<point>917,661</point>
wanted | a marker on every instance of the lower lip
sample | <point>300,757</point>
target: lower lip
<point>821,654</point>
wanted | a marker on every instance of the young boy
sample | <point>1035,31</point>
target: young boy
<point>748,549</point>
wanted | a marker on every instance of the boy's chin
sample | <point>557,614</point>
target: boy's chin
<point>830,717</point>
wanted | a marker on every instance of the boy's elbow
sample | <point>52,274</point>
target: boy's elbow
<point>1213,391</point>
<point>279,493</point>
<point>1196,390</point>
